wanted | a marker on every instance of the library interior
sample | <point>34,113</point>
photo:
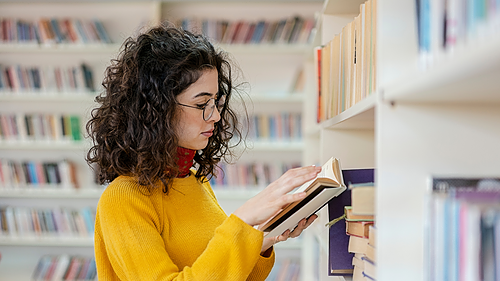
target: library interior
<point>397,100</point>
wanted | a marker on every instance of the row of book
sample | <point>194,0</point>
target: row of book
<point>291,30</point>
<point>245,175</point>
<point>346,65</point>
<point>65,268</point>
<point>285,270</point>
<point>31,223</point>
<point>39,127</point>
<point>444,25</point>
<point>46,79</point>
<point>50,31</point>
<point>16,175</point>
<point>281,126</point>
<point>464,229</point>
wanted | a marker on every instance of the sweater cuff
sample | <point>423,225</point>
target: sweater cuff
<point>235,219</point>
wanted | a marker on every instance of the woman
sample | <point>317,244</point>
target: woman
<point>166,109</point>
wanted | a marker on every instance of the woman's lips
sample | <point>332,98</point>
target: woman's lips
<point>208,133</point>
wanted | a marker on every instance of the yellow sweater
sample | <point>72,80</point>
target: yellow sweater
<point>182,235</point>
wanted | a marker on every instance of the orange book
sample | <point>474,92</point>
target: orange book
<point>358,228</point>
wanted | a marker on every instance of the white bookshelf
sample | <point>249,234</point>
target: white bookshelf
<point>419,122</point>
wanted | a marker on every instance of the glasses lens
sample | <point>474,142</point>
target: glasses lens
<point>209,109</point>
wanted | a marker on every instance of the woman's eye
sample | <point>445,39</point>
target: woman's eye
<point>203,105</point>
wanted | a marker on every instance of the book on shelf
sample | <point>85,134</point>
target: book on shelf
<point>358,267</point>
<point>364,260</point>
<point>369,269</point>
<point>42,127</point>
<point>371,246</point>
<point>463,228</point>
<point>47,175</point>
<point>351,216</point>
<point>317,71</point>
<point>64,267</point>
<point>339,257</point>
<point>363,199</point>
<point>347,66</point>
<point>358,228</point>
<point>50,31</point>
<point>328,184</point>
<point>358,244</point>
<point>290,30</point>
<point>249,175</point>
<point>26,222</point>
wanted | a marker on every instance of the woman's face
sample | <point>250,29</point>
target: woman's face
<point>193,131</point>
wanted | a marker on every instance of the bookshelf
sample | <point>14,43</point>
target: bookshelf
<point>21,253</point>
<point>439,118</point>
<point>271,69</point>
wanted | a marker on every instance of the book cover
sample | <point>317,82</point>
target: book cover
<point>363,198</point>
<point>358,228</point>
<point>328,184</point>
<point>339,258</point>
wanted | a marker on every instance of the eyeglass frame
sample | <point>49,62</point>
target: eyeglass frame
<point>203,108</point>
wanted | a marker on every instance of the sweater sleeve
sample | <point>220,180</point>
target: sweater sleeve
<point>264,264</point>
<point>129,246</point>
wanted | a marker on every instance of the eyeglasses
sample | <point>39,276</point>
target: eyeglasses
<point>209,106</point>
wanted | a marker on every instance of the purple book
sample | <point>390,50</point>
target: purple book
<point>339,258</point>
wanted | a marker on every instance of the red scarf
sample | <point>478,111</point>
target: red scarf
<point>185,158</point>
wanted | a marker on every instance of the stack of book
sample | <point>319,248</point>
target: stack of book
<point>360,226</point>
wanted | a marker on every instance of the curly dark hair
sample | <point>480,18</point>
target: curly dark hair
<point>133,128</point>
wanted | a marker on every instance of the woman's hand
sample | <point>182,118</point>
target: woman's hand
<point>303,224</point>
<point>275,197</point>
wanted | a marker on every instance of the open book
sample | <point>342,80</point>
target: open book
<point>328,184</point>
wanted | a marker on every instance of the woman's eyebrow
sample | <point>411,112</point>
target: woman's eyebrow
<point>203,94</point>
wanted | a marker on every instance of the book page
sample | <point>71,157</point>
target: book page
<point>330,170</point>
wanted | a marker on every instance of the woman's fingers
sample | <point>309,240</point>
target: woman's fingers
<point>296,177</point>
<point>303,224</point>
<point>277,195</point>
